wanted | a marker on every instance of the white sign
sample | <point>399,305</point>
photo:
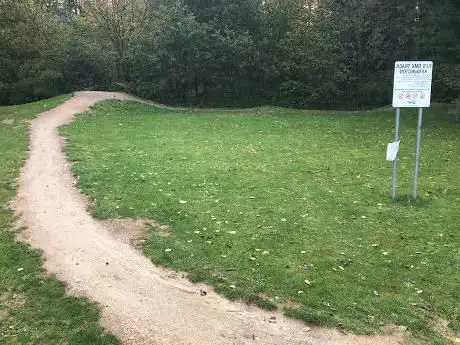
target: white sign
<point>392,151</point>
<point>412,84</point>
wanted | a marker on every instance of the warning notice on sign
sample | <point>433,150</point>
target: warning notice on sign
<point>412,84</point>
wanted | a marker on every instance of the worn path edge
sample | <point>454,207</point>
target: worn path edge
<point>141,304</point>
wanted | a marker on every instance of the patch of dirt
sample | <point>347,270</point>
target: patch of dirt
<point>135,231</point>
<point>141,304</point>
<point>12,301</point>
<point>4,315</point>
<point>398,331</point>
<point>8,122</point>
<point>164,230</point>
<point>130,231</point>
<point>264,296</point>
<point>291,305</point>
<point>442,326</point>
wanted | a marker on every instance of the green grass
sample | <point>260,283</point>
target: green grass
<point>33,307</point>
<point>288,209</point>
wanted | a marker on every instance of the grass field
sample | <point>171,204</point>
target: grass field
<point>288,209</point>
<point>33,307</point>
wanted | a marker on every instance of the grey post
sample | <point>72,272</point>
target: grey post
<point>417,152</point>
<point>395,162</point>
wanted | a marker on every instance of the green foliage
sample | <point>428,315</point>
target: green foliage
<point>45,52</point>
<point>454,111</point>
<point>296,53</point>
<point>31,53</point>
<point>86,62</point>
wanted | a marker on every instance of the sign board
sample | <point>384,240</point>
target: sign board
<point>412,84</point>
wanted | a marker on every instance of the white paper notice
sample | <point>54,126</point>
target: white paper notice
<point>392,151</point>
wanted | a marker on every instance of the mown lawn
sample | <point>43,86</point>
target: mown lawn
<point>288,209</point>
<point>33,307</point>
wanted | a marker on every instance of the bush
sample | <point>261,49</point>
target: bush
<point>454,111</point>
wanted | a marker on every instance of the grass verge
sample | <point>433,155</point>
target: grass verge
<point>34,308</point>
<point>288,209</point>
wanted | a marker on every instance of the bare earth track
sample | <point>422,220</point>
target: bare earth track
<point>141,304</point>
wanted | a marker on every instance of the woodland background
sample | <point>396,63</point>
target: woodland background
<point>296,53</point>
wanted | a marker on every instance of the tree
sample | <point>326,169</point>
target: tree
<point>31,43</point>
<point>300,53</point>
<point>122,23</point>
<point>438,38</point>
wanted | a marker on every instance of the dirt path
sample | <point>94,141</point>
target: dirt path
<point>141,303</point>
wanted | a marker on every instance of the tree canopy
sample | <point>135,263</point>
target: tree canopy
<point>298,53</point>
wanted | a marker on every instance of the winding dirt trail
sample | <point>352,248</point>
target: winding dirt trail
<point>141,303</point>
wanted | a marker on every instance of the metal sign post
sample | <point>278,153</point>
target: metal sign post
<point>395,161</point>
<point>412,89</point>
<point>417,152</point>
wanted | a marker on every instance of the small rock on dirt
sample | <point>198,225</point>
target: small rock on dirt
<point>272,319</point>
